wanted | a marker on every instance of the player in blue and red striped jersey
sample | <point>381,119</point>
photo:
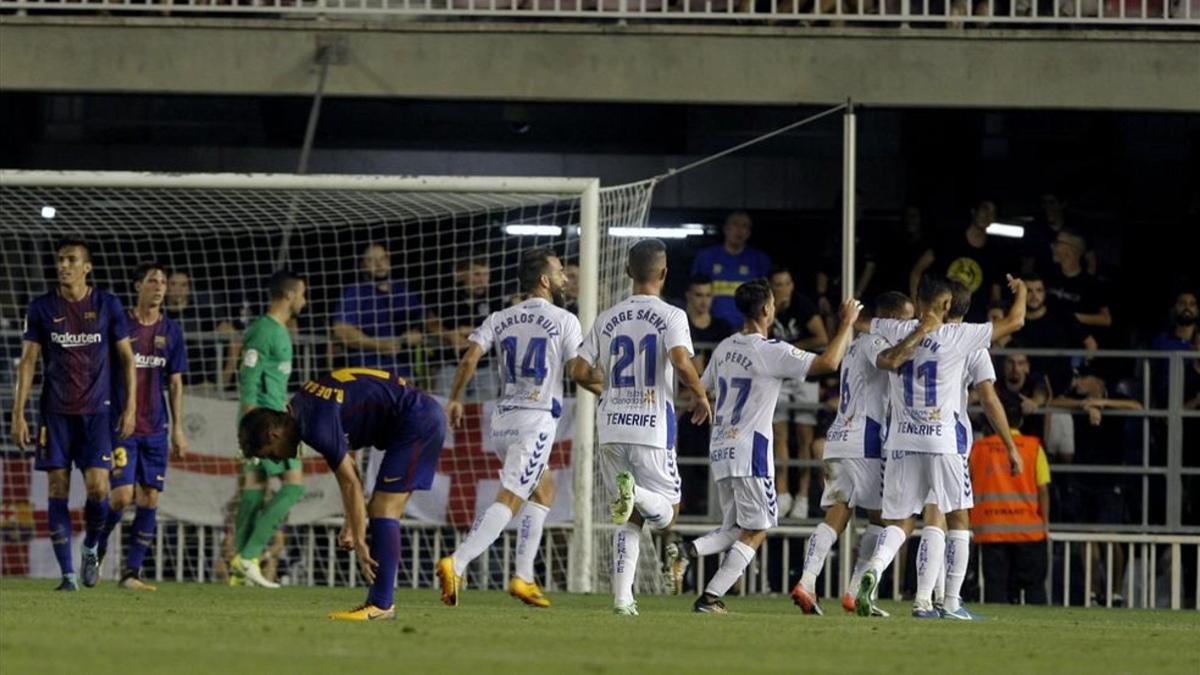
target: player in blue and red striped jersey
<point>346,410</point>
<point>75,329</point>
<point>141,460</point>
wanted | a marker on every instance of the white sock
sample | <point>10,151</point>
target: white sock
<point>866,549</point>
<point>484,532</point>
<point>656,509</point>
<point>716,541</point>
<point>530,519</point>
<point>735,563</point>
<point>627,540</point>
<point>958,551</point>
<point>930,557</point>
<point>890,541</point>
<point>814,560</point>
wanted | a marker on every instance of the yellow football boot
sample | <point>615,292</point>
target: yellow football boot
<point>365,612</point>
<point>451,582</point>
<point>527,592</point>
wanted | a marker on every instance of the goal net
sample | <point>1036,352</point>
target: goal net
<point>412,264</point>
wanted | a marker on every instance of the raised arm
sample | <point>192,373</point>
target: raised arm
<point>914,276</point>
<point>30,353</point>
<point>831,359</point>
<point>1014,320</point>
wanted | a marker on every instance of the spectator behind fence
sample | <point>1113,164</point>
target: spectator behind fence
<point>1045,329</point>
<point>1071,289</point>
<point>1029,390</point>
<point>200,320</point>
<point>453,314</point>
<point>571,292</point>
<point>798,322</point>
<point>1011,517</point>
<point>1180,336</point>
<point>730,264</point>
<point>706,330</point>
<point>973,259</point>
<point>378,322</point>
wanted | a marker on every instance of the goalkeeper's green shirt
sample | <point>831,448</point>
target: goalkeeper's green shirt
<point>266,365</point>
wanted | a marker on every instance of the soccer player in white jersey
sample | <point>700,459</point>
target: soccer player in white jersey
<point>535,340</point>
<point>746,370</point>
<point>980,374</point>
<point>925,395</point>
<point>633,350</point>
<point>853,459</point>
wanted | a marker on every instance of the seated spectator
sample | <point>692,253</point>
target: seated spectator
<point>1036,255</point>
<point>1180,336</point>
<point>200,321</point>
<point>798,322</point>
<point>973,259</point>
<point>1011,517</point>
<point>451,316</point>
<point>1070,288</point>
<point>707,330</point>
<point>730,264</point>
<point>1028,390</point>
<point>378,322</point>
<point>996,311</point>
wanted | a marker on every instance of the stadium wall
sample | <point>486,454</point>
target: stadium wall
<point>1114,70</point>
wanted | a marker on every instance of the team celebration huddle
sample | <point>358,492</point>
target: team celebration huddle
<point>112,404</point>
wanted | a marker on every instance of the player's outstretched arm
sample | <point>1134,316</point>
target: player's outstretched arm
<point>993,409</point>
<point>893,357</point>
<point>179,444</point>
<point>354,533</point>
<point>831,359</point>
<point>466,370</point>
<point>1014,320</point>
<point>687,373</point>
<point>30,353</point>
<point>129,368</point>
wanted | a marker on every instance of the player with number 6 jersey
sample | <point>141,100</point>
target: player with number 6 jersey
<point>633,350</point>
<point>853,459</point>
<point>534,341</point>
<point>746,371</point>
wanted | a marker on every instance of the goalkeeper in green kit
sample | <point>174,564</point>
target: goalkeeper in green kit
<point>262,382</point>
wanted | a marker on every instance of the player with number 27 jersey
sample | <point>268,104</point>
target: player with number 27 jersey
<point>746,371</point>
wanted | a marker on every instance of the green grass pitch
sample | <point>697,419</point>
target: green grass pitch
<point>193,629</point>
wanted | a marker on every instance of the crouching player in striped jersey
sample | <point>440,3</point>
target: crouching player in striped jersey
<point>853,459</point>
<point>746,370</point>
<point>140,461</point>
<point>350,409</point>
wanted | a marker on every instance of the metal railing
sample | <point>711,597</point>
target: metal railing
<point>953,13</point>
<point>186,552</point>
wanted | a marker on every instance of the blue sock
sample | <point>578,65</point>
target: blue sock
<point>385,549</point>
<point>59,517</point>
<point>110,524</point>
<point>95,513</point>
<point>144,523</point>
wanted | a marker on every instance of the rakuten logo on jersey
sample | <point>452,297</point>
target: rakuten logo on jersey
<point>149,361</point>
<point>72,340</point>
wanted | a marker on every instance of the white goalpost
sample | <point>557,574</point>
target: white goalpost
<point>450,246</point>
